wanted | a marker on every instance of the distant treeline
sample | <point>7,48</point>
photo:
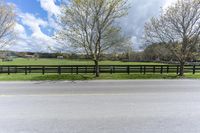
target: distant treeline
<point>154,52</point>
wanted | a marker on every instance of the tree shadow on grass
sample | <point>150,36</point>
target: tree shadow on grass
<point>71,77</point>
<point>144,76</point>
<point>74,77</point>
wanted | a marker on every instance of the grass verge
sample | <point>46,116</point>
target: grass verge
<point>38,77</point>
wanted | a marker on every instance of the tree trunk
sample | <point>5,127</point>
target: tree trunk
<point>97,73</point>
<point>182,64</point>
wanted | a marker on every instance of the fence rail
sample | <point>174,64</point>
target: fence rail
<point>81,69</point>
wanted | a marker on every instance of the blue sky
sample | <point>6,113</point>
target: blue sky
<point>35,25</point>
<point>36,22</point>
<point>32,7</point>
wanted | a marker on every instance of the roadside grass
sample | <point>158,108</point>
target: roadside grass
<point>125,76</point>
<point>24,61</point>
<point>39,77</point>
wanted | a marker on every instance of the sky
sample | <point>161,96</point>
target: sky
<point>36,24</point>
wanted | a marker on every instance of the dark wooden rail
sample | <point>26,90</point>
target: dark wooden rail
<point>77,69</point>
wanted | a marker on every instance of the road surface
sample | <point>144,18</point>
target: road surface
<point>153,106</point>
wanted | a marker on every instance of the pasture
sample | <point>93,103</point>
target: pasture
<point>86,76</point>
<point>24,61</point>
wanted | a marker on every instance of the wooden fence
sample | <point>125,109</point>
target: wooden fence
<point>86,69</point>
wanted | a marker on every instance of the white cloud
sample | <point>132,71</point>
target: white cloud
<point>36,40</point>
<point>140,12</point>
<point>32,22</point>
<point>50,6</point>
<point>168,3</point>
<point>52,10</point>
<point>20,30</point>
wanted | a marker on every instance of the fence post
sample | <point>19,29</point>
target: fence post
<point>194,69</point>
<point>76,69</point>
<point>111,71</point>
<point>15,69</point>
<point>144,69</point>
<point>1,69</point>
<point>25,70</point>
<point>154,69</point>
<point>29,69</point>
<point>140,69</point>
<point>128,69</point>
<point>8,70</point>
<point>167,69</point>
<point>43,70</point>
<point>59,70</point>
<point>177,70</point>
<point>161,70</point>
<point>86,69</point>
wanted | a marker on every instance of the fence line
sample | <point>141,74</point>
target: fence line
<point>86,69</point>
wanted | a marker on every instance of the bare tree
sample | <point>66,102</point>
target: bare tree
<point>90,25</point>
<point>157,52</point>
<point>179,27</point>
<point>7,23</point>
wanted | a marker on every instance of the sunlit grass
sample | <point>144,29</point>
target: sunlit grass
<point>38,77</point>
<point>33,77</point>
<point>23,61</point>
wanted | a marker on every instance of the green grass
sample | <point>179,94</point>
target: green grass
<point>38,77</point>
<point>35,77</point>
<point>22,61</point>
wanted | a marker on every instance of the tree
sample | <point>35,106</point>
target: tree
<point>179,28</point>
<point>157,51</point>
<point>89,25</point>
<point>7,23</point>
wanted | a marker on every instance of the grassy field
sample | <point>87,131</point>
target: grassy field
<point>38,77</point>
<point>22,61</point>
<point>35,77</point>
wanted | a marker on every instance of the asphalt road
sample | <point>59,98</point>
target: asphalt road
<point>153,106</point>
